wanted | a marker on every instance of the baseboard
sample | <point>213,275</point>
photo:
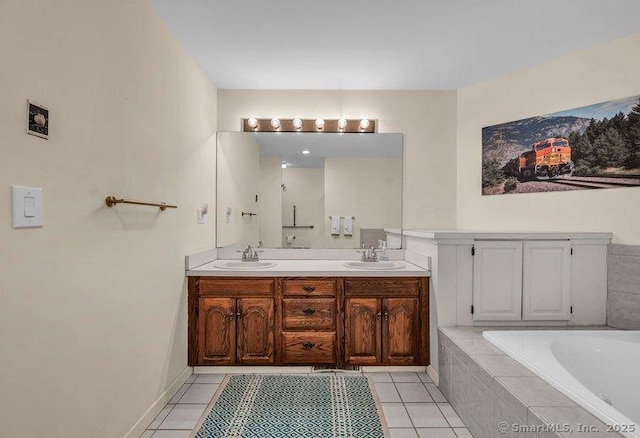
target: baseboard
<point>391,369</point>
<point>267,369</point>
<point>433,374</point>
<point>155,408</point>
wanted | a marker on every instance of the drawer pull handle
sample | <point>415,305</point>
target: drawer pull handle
<point>309,288</point>
<point>308,345</point>
<point>309,311</point>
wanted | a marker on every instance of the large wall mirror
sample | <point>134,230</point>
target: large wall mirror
<point>307,190</point>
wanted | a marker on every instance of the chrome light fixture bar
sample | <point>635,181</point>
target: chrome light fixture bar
<point>361,126</point>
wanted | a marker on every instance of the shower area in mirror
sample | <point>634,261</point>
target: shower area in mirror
<point>307,190</point>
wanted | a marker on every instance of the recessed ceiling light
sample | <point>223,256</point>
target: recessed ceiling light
<point>284,165</point>
<point>306,152</point>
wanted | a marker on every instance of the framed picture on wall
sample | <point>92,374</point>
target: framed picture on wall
<point>586,148</point>
<point>37,120</point>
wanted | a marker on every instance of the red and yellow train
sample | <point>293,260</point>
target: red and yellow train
<point>548,158</point>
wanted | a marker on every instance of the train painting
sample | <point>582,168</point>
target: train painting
<point>592,147</point>
<point>547,159</point>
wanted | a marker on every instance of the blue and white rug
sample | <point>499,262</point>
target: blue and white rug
<point>252,406</point>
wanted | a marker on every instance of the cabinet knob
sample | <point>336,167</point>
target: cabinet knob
<point>309,288</point>
<point>308,345</point>
<point>309,311</point>
<point>239,315</point>
<point>386,315</point>
<point>379,315</point>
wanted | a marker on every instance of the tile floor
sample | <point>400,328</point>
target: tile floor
<point>412,404</point>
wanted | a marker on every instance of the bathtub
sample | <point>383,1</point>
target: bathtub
<point>599,370</point>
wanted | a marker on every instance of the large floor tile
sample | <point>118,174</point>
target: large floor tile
<point>413,392</point>
<point>425,378</point>
<point>462,432</point>
<point>178,395</point>
<point>426,415</point>
<point>387,392</point>
<point>436,432</point>
<point>199,393</point>
<point>191,378</point>
<point>405,377</point>
<point>435,393</point>
<point>172,434</point>
<point>160,417</point>
<point>210,378</point>
<point>451,415</point>
<point>183,417</point>
<point>147,434</point>
<point>403,433</point>
<point>396,415</point>
<point>379,377</point>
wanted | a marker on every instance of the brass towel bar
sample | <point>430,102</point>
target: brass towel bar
<point>111,201</point>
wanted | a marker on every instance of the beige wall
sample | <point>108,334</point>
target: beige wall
<point>93,305</point>
<point>305,190</point>
<point>598,74</point>
<point>238,175</point>
<point>426,118</point>
<point>270,203</point>
<point>369,189</point>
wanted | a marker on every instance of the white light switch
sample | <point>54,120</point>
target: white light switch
<point>27,207</point>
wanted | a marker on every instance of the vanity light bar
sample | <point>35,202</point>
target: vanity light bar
<point>362,126</point>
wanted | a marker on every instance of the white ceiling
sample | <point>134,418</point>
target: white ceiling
<point>393,45</point>
<point>288,146</point>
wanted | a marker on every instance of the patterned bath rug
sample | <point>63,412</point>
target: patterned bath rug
<point>287,406</point>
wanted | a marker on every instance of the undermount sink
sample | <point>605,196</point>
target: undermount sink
<point>374,266</point>
<point>243,265</point>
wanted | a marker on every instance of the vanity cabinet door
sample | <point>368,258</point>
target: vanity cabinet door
<point>255,317</point>
<point>362,331</point>
<point>400,331</point>
<point>217,331</point>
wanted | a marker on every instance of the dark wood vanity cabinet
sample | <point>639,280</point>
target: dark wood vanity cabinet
<point>385,320</point>
<point>287,321</point>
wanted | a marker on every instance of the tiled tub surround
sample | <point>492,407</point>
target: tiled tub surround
<point>623,298</point>
<point>594,368</point>
<point>490,391</point>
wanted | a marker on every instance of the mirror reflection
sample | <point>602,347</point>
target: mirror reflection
<point>308,190</point>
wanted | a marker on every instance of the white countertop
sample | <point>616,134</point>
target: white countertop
<point>308,268</point>
<point>509,235</point>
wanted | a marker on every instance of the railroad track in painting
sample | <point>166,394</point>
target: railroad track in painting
<point>590,183</point>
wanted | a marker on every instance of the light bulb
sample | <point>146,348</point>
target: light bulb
<point>364,124</point>
<point>284,165</point>
<point>342,124</point>
<point>297,123</point>
<point>252,122</point>
<point>306,152</point>
<point>319,123</point>
<point>275,123</point>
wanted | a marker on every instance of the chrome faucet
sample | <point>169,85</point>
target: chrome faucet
<point>369,255</point>
<point>249,254</point>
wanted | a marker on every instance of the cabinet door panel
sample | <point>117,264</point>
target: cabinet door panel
<point>217,331</point>
<point>400,331</point>
<point>546,286</point>
<point>255,330</point>
<point>362,331</point>
<point>497,281</point>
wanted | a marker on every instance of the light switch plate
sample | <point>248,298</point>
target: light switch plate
<point>27,207</point>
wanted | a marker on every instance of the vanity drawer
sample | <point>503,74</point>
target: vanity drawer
<point>310,287</point>
<point>309,314</point>
<point>383,287</point>
<point>309,347</point>
<point>236,287</point>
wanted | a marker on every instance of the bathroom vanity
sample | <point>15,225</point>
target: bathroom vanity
<point>310,312</point>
